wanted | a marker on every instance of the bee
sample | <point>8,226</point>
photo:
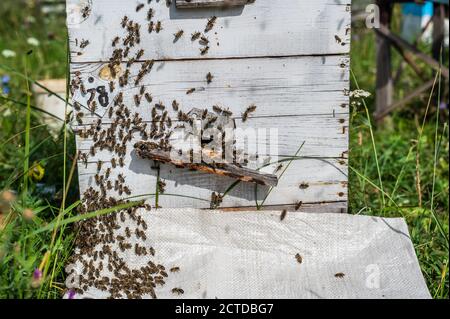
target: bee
<point>158,26</point>
<point>161,186</point>
<point>151,27</point>
<point>142,90</point>
<point>298,205</point>
<point>108,172</point>
<point>77,106</point>
<point>126,52</point>
<point>113,163</point>
<point>115,41</point>
<point>209,77</point>
<point>139,54</point>
<point>217,109</point>
<point>99,166</point>
<point>124,21</point>
<point>93,106</point>
<point>127,232</point>
<point>175,105</point>
<point>338,39</point>
<point>339,275</point>
<point>178,35</point>
<point>150,14</point>
<point>127,190</point>
<point>182,117</point>
<point>303,185</point>
<point>85,12</point>
<point>169,122</point>
<point>111,86</point>
<point>121,162</point>
<point>249,110</point>
<point>190,91</point>
<point>137,100</point>
<point>79,118</point>
<point>92,151</point>
<point>204,40</point>
<point>148,97</point>
<point>84,43</point>
<point>283,214</point>
<point>175,269</point>
<point>139,7</point>
<point>299,258</point>
<point>110,112</point>
<point>210,23</point>
<point>177,291</point>
<point>160,105</point>
<point>204,50</point>
<point>195,35</point>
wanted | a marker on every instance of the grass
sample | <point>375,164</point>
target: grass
<point>397,169</point>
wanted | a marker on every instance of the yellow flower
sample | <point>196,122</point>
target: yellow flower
<point>36,172</point>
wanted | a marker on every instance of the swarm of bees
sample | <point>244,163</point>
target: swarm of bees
<point>102,240</point>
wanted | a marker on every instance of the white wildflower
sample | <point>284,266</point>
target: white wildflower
<point>359,94</point>
<point>33,41</point>
<point>8,53</point>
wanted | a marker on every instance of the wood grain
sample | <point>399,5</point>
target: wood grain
<point>272,28</point>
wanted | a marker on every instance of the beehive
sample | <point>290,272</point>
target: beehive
<point>288,58</point>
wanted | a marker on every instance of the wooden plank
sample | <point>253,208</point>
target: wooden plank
<point>324,136</point>
<point>272,28</point>
<point>281,86</point>
<point>307,180</point>
<point>189,4</point>
<point>145,150</point>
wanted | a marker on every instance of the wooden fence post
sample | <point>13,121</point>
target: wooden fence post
<point>384,82</point>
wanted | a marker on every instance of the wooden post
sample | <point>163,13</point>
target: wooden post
<point>438,30</point>
<point>384,82</point>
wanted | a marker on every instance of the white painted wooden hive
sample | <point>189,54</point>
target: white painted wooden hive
<point>289,58</point>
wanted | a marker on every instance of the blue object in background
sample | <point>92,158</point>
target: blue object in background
<point>421,10</point>
<point>5,84</point>
<point>415,17</point>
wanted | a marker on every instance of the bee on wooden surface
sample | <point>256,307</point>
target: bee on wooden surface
<point>142,90</point>
<point>126,52</point>
<point>169,122</point>
<point>178,35</point>
<point>77,106</point>
<point>160,106</point>
<point>217,109</point>
<point>126,190</point>
<point>93,106</point>
<point>107,172</point>
<point>190,91</point>
<point>121,162</point>
<point>84,43</point>
<point>127,232</point>
<point>196,35</point>
<point>175,105</point>
<point>111,86</point>
<point>339,275</point>
<point>303,185</point>
<point>177,291</point>
<point>175,269</point>
<point>209,77</point>
<point>124,21</point>
<point>148,97</point>
<point>110,112</point>
<point>113,163</point>
<point>150,14</point>
<point>183,117</point>
<point>158,26</point>
<point>139,54</point>
<point>115,41</point>
<point>161,186</point>
<point>211,23</point>
<point>79,117</point>
<point>227,112</point>
<point>151,27</point>
<point>283,214</point>
<point>299,258</point>
<point>298,205</point>
<point>249,110</point>
<point>139,7</point>
<point>99,166</point>
<point>204,40</point>
<point>204,50</point>
<point>338,39</point>
<point>137,100</point>
<point>85,11</point>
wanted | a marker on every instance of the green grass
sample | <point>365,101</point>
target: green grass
<point>397,169</point>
